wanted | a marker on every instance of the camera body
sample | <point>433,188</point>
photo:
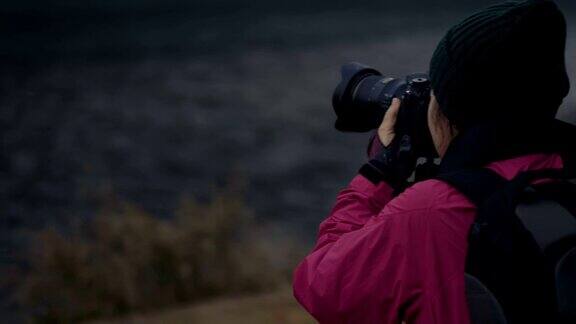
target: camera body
<point>363,96</point>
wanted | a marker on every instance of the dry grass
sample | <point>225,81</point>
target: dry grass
<point>278,307</point>
<point>126,260</point>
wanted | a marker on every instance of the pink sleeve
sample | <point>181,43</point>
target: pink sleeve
<point>374,265</point>
<point>355,205</point>
<point>313,284</point>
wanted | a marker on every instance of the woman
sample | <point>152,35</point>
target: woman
<point>498,78</point>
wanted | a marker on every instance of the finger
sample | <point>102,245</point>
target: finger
<point>386,129</point>
<point>391,116</point>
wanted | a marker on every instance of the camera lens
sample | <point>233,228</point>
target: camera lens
<point>370,90</point>
<point>363,97</point>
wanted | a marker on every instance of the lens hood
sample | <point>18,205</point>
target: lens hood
<point>351,74</point>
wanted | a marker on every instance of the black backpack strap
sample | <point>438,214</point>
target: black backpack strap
<point>479,184</point>
<point>476,184</point>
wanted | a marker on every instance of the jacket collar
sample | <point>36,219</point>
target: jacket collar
<point>491,142</point>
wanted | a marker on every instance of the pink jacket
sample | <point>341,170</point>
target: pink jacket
<point>380,259</point>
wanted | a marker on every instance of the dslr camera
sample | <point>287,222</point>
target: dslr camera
<point>363,96</point>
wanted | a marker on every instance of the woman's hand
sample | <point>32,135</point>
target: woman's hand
<point>386,130</point>
<point>391,157</point>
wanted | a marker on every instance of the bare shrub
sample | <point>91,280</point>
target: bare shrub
<point>127,260</point>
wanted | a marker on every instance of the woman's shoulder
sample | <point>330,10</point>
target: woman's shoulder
<point>430,194</point>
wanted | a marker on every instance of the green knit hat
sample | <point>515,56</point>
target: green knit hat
<point>505,62</point>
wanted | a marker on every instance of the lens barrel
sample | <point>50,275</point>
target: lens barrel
<point>363,97</point>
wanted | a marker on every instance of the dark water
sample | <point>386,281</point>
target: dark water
<point>155,100</point>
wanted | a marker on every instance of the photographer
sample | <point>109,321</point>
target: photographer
<point>498,79</point>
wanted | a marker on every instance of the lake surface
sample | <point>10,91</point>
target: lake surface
<point>154,102</point>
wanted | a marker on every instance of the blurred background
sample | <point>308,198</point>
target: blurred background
<point>169,161</point>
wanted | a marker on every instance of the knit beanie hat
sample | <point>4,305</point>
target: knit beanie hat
<point>505,62</point>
